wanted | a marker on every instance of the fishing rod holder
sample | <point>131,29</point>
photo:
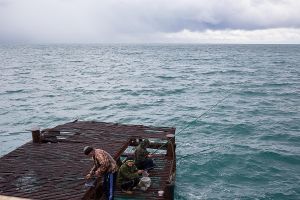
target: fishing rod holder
<point>36,134</point>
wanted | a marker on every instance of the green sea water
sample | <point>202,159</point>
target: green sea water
<point>246,147</point>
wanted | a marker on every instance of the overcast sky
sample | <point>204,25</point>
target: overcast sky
<point>150,21</point>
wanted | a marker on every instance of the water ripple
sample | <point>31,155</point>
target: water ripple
<point>245,148</point>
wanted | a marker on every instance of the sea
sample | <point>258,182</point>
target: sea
<point>235,107</point>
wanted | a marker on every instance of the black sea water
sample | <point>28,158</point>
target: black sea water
<point>247,147</point>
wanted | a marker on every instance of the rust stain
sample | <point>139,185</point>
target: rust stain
<point>55,167</point>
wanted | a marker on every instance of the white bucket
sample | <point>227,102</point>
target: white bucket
<point>145,183</point>
<point>161,193</point>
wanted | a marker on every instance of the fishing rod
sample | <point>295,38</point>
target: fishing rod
<point>189,124</point>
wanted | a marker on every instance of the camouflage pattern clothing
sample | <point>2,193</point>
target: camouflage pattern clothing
<point>127,173</point>
<point>103,163</point>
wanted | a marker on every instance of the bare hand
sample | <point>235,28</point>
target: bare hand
<point>97,173</point>
<point>88,176</point>
<point>140,171</point>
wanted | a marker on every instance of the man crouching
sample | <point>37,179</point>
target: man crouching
<point>128,176</point>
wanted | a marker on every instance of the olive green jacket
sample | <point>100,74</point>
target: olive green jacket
<point>127,173</point>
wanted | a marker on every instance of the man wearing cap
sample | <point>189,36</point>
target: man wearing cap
<point>143,157</point>
<point>104,166</point>
<point>128,176</point>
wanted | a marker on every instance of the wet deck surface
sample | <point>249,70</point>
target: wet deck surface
<point>57,170</point>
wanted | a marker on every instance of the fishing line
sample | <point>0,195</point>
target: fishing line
<point>189,124</point>
<point>195,153</point>
<point>207,111</point>
<point>214,147</point>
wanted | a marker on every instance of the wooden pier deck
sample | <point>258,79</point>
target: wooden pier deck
<point>53,166</point>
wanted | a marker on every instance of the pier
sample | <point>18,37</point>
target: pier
<point>53,166</point>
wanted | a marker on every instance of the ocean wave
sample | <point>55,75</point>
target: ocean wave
<point>245,147</point>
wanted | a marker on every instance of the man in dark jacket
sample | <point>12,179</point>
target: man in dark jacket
<point>128,176</point>
<point>143,157</point>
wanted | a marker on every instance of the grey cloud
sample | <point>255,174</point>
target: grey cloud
<point>117,20</point>
<point>226,14</point>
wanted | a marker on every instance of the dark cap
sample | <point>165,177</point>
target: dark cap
<point>130,158</point>
<point>145,143</point>
<point>87,150</point>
